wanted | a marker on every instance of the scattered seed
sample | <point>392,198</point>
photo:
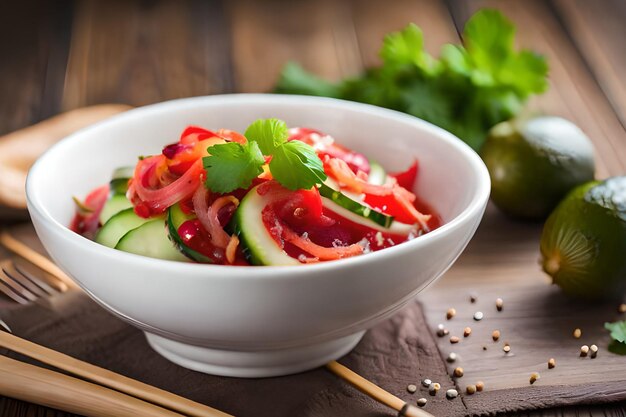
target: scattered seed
<point>451,394</point>
<point>422,402</point>
<point>454,339</point>
<point>506,348</point>
<point>426,382</point>
<point>622,308</point>
<point>484,347</point>
<point>534,377</point>
<point>480,385</point>
<point>411,388</point>
<point>433,388</point>
<point>470,389</point>
<point>499,304</point>
<point>551,363</point>
<point>440,326</point>
<point>452,357</point>
<point>495,335</point>
<point>577,333</point>
<point>584,350</point>
<point>594,351</point>
<point>450,313</point>
<point>443,332</point>
<point>478,316</point>
<point>473,298</point>
<point>467,331</point>
<point>458,372</point>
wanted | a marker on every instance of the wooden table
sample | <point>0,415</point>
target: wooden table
<point>61,55</point>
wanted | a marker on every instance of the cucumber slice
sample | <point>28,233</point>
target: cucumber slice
<point>355,207</point>
<point>119,179</point>
<point>117,226</point>
<point>151,239</point>
<point>175,218</point>
<point>377,175</point>
<point>114,205</point>
<point>257,243</point>
<point>394,227</point>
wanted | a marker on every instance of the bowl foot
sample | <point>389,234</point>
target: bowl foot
<point>253,364</point>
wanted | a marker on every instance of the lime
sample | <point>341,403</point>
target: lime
<point>533,163</point>
<point>583,245</point>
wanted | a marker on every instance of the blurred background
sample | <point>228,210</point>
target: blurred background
<point>62,55</point>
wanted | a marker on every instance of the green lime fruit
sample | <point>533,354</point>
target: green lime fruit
<point>583,245</point>
<point>533,163</point>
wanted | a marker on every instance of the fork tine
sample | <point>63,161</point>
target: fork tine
<point>50,286</point>
<point>16,286</point>
<point>9,292</point>
<point>21,279</point>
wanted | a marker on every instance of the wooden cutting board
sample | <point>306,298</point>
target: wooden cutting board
<point>537,320</point>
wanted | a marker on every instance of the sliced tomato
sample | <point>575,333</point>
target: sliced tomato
<point>193,134</point>
<point>301,207</point>
<point>389,205</point>
<point>407,178</point>
<point>232,136</point>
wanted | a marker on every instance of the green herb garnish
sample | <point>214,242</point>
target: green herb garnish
<point>469,89</point>
<point>618,336</point>
<point>295,165</point>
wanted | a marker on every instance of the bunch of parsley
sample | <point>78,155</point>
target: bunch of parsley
<point>618,336</point>
<point>470,88</point>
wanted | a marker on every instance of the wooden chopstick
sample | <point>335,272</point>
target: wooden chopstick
<point>42,386</point>
<point>108,378</point>
<point>35,258</point>
<point>376,392</point>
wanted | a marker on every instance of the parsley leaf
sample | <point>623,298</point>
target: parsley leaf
<point>469,89</point>
<point>296,165</point>
<point>268,133</point>
<point>618,330</point>
<point>232,165</point>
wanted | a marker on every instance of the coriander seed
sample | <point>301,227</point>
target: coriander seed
<point>467,331</point>
<point>495,335</point>
<point>473,298</point>
<point>458,372</point>
<point>499,304</point>
<point>478,316</point>
<point>443,332</point>
<point>551,363</point>
<point>470,389</point>
<point>506,348</point>
<point>584,350</point>
<point>452,394</point>
<point>426,382</point>
<point>577,333</point>
<point>621,308</point>
<point>411,388</point>
<point>534,377</point>
<point>480,385</point>
<point>422,402</point>
<point>450,313</point>
<point>452,357</point>
<point>454,339</point>
<point>594,351</point>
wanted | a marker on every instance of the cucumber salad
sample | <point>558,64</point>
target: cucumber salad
<point>269,196</point>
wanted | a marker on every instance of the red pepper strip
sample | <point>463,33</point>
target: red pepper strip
<point>406,179</point>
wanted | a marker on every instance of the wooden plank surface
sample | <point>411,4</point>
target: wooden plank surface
<point>135,52</point>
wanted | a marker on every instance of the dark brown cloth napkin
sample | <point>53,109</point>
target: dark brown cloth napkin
<point>397,352</point>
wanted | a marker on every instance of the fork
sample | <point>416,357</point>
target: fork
<point>27,282</point>
<point>22,284</point>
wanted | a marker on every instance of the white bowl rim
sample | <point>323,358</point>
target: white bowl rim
<point>474,208</point>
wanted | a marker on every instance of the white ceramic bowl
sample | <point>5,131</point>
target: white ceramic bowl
<point>258,321</point>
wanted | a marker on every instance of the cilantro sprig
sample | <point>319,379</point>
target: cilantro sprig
<point>469,89</point>
<point>618,336</point>
<point>294,164</point>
